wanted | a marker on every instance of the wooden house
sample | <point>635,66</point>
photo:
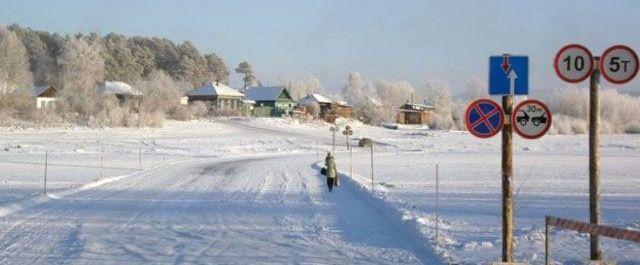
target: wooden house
<point>273,101</point>
<point>45,96</point>
<point>218,96</point>
<point>329,109</point>
<point>411,113</point>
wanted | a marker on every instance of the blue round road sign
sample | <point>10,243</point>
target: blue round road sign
<point>484,118</point>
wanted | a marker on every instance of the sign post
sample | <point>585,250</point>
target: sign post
<point>594,163</point>
<point>333,130</point>
<point>507,183</point>
<point>508,76</point>
<point>618,64</point>
<point>347,133</point>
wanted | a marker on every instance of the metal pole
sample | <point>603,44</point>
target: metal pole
<point>594,167</point>
<point>437,208</point>
<point>46,163</point>
<point>507,181</point>
<point>547,240</point>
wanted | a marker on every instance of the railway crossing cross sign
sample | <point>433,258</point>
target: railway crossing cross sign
<point>484,118</point>
<point>531,119</point>
<point>508,75</point>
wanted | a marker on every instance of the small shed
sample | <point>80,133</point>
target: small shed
<point>271,101</point>
<point>220,96</point>
<point>45,96</point>
<point>411,113</point>
<point>329,109</point>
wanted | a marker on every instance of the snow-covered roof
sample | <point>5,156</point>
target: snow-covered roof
<point>118,88</point>
<point>248,101</point>
<point>212,89</point>
<point>37,91</point>
<point>313,98</point>
<point>415,106</point>
<point>264,93</point>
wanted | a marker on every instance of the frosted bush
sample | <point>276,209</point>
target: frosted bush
<point>570,108</point>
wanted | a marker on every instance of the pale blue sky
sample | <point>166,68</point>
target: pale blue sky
<point>407,40</point>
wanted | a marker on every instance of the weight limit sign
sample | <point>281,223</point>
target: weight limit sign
<point>531,119</point>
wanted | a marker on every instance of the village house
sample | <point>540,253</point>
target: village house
<point>273,101</point>
<point>45,96</point>
<point>218,97</point>
<point>412,113</point>
<point>329,109</point>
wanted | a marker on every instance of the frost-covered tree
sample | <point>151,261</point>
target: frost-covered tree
<point>119,62</point>
<point>244,68</point>
<point>477,88</point>
<point>300,87</point>
<point>353,91</point>
<point>438,94</point>
<point>82,69</point>
<point>216,68</point>
<point>14,62</point>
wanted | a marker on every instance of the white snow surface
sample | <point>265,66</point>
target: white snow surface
<point>248,191</point>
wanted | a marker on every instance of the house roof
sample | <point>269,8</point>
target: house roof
<point>212,89</point>
<point>118,88</point>
<point>317,98</point>
<point>265,93</point>
<point>414,106</point>
<point>313,98</point>
<point>39,90</point>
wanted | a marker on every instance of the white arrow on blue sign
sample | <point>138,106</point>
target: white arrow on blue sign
<point>508,75</point>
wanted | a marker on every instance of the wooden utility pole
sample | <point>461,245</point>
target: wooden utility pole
<point>46,163</point>
<point>594,164</point>
<point>140,155</point>
<point>371,165</point>
<point>507,182</point>
<point>437,208</point>
<point>547,240</point>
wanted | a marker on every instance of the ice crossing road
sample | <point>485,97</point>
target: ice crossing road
<point>242,211</point>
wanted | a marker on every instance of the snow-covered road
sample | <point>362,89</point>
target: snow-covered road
<point>245,210</point>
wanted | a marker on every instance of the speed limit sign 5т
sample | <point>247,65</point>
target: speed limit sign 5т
<point>573,63</point>
<point>619,64</point>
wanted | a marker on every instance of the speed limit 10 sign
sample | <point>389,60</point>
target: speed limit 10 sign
<point>619,64</point>
<point>573,63</point>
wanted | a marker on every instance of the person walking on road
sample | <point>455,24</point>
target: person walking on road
<point>332,173</point>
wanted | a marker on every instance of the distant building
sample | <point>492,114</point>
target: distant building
<point>329,109</point>
<point>411,113</point>
<point>271,101</point>
<point>123,91</point>
<point>218,96</point>
<point>45,96</point>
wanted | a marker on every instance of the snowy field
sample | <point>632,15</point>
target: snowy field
<point>248,191</point>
